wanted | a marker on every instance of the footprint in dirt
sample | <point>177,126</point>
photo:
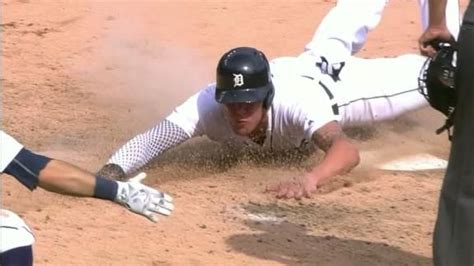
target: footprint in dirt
<point>12,25</point>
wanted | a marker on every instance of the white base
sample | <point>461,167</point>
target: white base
<point>417,162</point>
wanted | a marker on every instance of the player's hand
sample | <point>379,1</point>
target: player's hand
<point>112,171</point>
<point>296,188</point>
<point>431,36</point>
<point>142,199</point>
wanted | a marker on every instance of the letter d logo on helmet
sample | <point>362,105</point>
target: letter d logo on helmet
<point>243,76</point>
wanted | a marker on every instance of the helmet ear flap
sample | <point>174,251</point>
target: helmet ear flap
<point>269,99</point>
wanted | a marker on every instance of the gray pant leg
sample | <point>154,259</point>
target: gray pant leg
<point>454,232</point>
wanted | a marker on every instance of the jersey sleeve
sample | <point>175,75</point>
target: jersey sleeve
<point>191,116</point>
<point>9,148</point>
<point>142,148</point>
<point>317,108</point>
<point>182,124</point>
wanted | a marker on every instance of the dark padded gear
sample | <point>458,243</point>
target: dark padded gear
<point>436,82</point>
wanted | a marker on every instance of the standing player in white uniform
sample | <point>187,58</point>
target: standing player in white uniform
<point>343,31</point>
<point>34,170</point>
<point>287,103</point>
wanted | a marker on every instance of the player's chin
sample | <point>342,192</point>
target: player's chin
<point>242,130</point>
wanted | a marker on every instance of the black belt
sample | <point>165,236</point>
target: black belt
<point>335,107</point>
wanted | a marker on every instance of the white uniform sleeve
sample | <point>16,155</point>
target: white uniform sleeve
<point>145,146</point>
<point>313,106</point>
<point>182,124</point>
<point>189,114</point>
<point>195,115</point>
<point>9,148</point>
<point>319,109</point>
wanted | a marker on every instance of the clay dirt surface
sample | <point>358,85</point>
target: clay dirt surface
<point>82,77</point>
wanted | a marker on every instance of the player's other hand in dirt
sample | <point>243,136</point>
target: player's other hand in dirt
<point>296,188</point>
<point>112,171</point>
<point>142,199</point>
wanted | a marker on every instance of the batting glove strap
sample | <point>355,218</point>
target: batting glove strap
<point>105,188</point>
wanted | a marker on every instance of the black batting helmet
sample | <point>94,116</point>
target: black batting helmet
<point>243,76</point>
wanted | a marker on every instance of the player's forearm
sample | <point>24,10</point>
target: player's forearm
<point>64,178</point>
<point>34,170</point>
<point>437,14</point>
<point>341,158</point>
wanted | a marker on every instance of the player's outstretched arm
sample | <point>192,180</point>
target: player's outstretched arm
<point>57,176</point>
<point>341,157</point>
<point>141,149</point>
<point>341,154</point>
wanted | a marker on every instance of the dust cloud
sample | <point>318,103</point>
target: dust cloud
<point>136,76</point>
<point>144,76</point>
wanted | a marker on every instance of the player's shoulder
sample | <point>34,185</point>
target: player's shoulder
<point>206,97</point>
<point>200,103</point>
<point>300,95</point>
<point>209,89</point>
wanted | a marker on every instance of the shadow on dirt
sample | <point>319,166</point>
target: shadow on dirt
<point>289,244</point>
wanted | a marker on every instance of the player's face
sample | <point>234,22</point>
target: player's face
<point>245,117</point>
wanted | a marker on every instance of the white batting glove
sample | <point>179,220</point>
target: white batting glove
<point>142,199</point>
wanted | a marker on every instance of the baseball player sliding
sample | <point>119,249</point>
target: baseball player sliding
<point>290,101</point>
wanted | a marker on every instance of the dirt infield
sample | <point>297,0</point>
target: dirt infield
<point>81,77</point>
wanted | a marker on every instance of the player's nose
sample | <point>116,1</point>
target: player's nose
<point>238,110</point>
